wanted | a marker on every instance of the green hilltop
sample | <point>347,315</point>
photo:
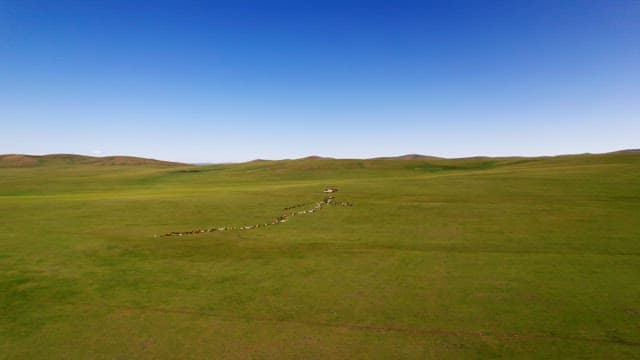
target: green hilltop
<point>20,160</point>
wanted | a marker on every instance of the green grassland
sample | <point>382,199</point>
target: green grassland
<point>473,258</point>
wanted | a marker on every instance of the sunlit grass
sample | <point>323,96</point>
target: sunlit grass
<point>437,258</point>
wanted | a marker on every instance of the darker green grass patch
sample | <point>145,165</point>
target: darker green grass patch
<point>25,300</point>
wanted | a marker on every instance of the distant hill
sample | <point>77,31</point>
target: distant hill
<point>633,151</point>
<point>20,160</point>
<point>316,157</point>
<point>408,157</point>
<point>309,162</point>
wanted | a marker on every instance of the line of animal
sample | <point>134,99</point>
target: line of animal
<point>329,200</point>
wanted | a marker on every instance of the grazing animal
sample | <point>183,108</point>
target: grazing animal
<point>328,200</point>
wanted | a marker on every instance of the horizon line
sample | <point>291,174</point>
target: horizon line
<point>408,156</point>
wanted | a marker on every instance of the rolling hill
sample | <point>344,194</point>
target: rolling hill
<point>480,257</point>
<point>20,160</point>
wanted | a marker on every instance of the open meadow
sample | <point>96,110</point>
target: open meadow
<point>437,258</point>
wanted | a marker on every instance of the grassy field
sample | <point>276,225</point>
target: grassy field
<point>474,258</point>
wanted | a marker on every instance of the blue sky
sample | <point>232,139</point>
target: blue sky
<point>233,81</point>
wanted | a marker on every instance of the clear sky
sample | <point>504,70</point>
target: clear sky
<point>214,81</point>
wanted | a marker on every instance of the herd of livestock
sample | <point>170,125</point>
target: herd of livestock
<point>329,200</point>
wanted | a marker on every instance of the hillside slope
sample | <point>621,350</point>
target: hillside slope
<point>437,258</point>
<point>20,160</point>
